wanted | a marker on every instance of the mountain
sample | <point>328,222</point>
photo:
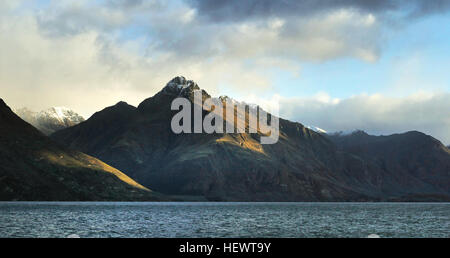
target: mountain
<point>50,120</point>
<point>35,168</point>
<point>302,166</point>
<point>408,154</point>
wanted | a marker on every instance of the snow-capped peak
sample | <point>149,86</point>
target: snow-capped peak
<point>348,132</point>
<point>179,84</point>
<point>62,114</point>
<point>50,120</point>
<point>61,111</point>
<point>316,129</point>
<point>227,99</point>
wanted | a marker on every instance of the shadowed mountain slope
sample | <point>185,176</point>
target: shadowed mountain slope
<point>408,154</point>
<point>33,167</point>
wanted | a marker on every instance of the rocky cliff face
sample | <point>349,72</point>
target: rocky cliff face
<point>33,167</point>
<point>302,166</point>
<point>50,120</point>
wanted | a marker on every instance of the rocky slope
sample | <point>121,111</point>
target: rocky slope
<point>408,154</point>
<point>302,166</point>
<point>33,167</point>
<point>50,120</point>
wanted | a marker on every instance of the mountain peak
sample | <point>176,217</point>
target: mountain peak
<point>51,119</point>
<point>61,114</point>
<point>359,132</point>
<point>225,98</point>
<point>3,104</point>
<point>118,112</point>
<point>122,104</point>
<point>179,85</point>
<point>5,111</point>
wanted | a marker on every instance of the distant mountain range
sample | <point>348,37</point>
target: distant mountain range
<point>50,120</point>
<point>303,166</point>
<point>35,168</point>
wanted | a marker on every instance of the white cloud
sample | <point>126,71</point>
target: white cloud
<point>7,5</point>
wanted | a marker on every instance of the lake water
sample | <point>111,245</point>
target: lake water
<point>61,219</point>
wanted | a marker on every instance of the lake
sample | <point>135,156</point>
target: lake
<point>212,219</point>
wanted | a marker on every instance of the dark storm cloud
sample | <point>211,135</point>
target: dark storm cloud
<point>423,8</point>
<point>233,11</point>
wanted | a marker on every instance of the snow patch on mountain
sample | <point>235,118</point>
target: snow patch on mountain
<point>347,132</point>
<point>316,129</point>
<point>62,114</point>
<point>179,84</point>
<point>50,120</point>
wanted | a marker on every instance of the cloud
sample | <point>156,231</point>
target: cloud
<point>69,17</point>
<point>87,55</point>
<point>179,30</point>
<point>86,67</point>
<point>77,50</point>
<point>7,5</point>
<point>376,114</point>
<point>423,8</point>
<point>238,11</point>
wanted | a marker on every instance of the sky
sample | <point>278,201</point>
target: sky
<point>379,66</point>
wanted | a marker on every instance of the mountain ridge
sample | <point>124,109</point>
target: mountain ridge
<point>302,166</point>
<point>50,120</point>
<point>35,168</point>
